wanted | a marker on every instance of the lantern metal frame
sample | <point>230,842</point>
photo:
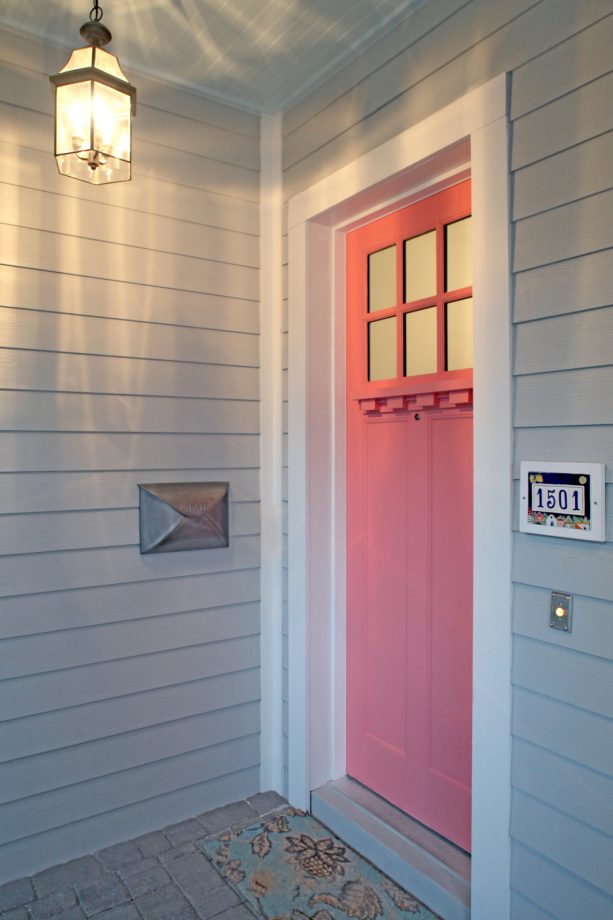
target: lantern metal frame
<point>96,35</point>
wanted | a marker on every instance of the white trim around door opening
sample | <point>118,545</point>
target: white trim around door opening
<point>469,136</point>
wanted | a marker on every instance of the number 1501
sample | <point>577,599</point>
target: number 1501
<point>558,499</point>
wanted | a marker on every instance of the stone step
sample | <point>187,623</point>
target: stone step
<point>422,862</point>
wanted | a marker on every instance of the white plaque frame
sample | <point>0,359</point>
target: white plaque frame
<point>594,472</point>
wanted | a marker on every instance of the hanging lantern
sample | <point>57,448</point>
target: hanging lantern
<point>94,105</point>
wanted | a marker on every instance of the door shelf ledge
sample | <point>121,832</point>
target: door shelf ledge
<point>441,399</point>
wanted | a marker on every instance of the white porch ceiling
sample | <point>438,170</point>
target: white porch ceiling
<point>263,55</point>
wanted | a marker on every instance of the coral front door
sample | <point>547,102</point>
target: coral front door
<point>409,511</point>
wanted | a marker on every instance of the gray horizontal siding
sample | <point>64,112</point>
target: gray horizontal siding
<point>582,283</point>
<point>55,809</point>
<point>54,532</point>
<point>77,255</point>
<point>70,412</point>
<point>58,650</point>
<point>591,801</point>
<point>93,451</point>
<point>87,761</point>
<point>29,369</point>
<point>575,397</point>
<point>576,173</point>
<point>523,909</point>
<point>586,569</point>
<point>32,816</point>
<point>73,491</point>
<point>29,695</point>
<point>39,209</point>
<point>75,294</point>
<point>582,339</point>
<point>544,882</point>
<point>544,721</point>
<point>566,66</point>
<point>62,610</point>
<point>553,237</point>
<point>581,680</point>
<point>129,684</point>
<point>74,727</point>
<point>558,55</point>
<point>59,571</point>
<point>195,792</point>
<point>581,442</point>
<point>569,843</point>
<point>118,338</point>
<point>541,133</point>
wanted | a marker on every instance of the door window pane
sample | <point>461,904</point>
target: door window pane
<point>382,349</point>
<point>420,342</point>
<point>382,279</point>
<point>420,267</point>
<point>460,334</point>
<point>458,268</point>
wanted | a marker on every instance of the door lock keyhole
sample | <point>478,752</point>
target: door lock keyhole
<point>417,416</point>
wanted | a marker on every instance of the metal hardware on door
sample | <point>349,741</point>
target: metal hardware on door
<point>417,416</point>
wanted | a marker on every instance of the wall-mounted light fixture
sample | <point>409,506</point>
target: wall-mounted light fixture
<point>94,106</point>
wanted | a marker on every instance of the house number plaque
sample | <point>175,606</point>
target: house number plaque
<point>562,499</point>
<point>177,516</point>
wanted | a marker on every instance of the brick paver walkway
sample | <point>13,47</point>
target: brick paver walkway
<point>160,876</point>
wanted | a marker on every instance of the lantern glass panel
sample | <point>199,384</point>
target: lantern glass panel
<point>73,118</point>
<point>111,122</point>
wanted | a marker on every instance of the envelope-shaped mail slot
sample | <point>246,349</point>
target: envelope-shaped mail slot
<point>177,516</point>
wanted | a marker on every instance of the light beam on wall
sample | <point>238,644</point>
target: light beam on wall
<point>94,107</point>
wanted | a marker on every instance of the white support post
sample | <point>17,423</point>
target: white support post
<point>271,443</point>
<point>492,633</point>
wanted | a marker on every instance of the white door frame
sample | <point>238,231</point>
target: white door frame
<point>467,137</point>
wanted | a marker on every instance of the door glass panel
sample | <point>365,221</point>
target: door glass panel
<point>458,268</point>
<point>382,349</point>
<point>420,267</point>
<point>460,334</point>
<point>382,279</point>
<point>420,342</point>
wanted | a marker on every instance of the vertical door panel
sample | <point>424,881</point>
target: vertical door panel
<point>384,588</point>
<point>450,658</point>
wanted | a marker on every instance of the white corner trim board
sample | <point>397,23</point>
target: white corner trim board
<point>469,136</point>
<point>271,426</point>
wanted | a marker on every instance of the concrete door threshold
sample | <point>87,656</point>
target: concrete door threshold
<point>431,868</point>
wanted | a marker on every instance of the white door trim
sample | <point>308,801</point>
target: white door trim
<point>469,133</point>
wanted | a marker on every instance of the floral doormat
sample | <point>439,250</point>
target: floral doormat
<point>290,867</point>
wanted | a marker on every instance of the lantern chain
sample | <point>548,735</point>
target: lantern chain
<point>95,14</point>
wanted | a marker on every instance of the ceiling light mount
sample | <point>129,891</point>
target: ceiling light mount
<point>94,107</point>
<point>93,32</point>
